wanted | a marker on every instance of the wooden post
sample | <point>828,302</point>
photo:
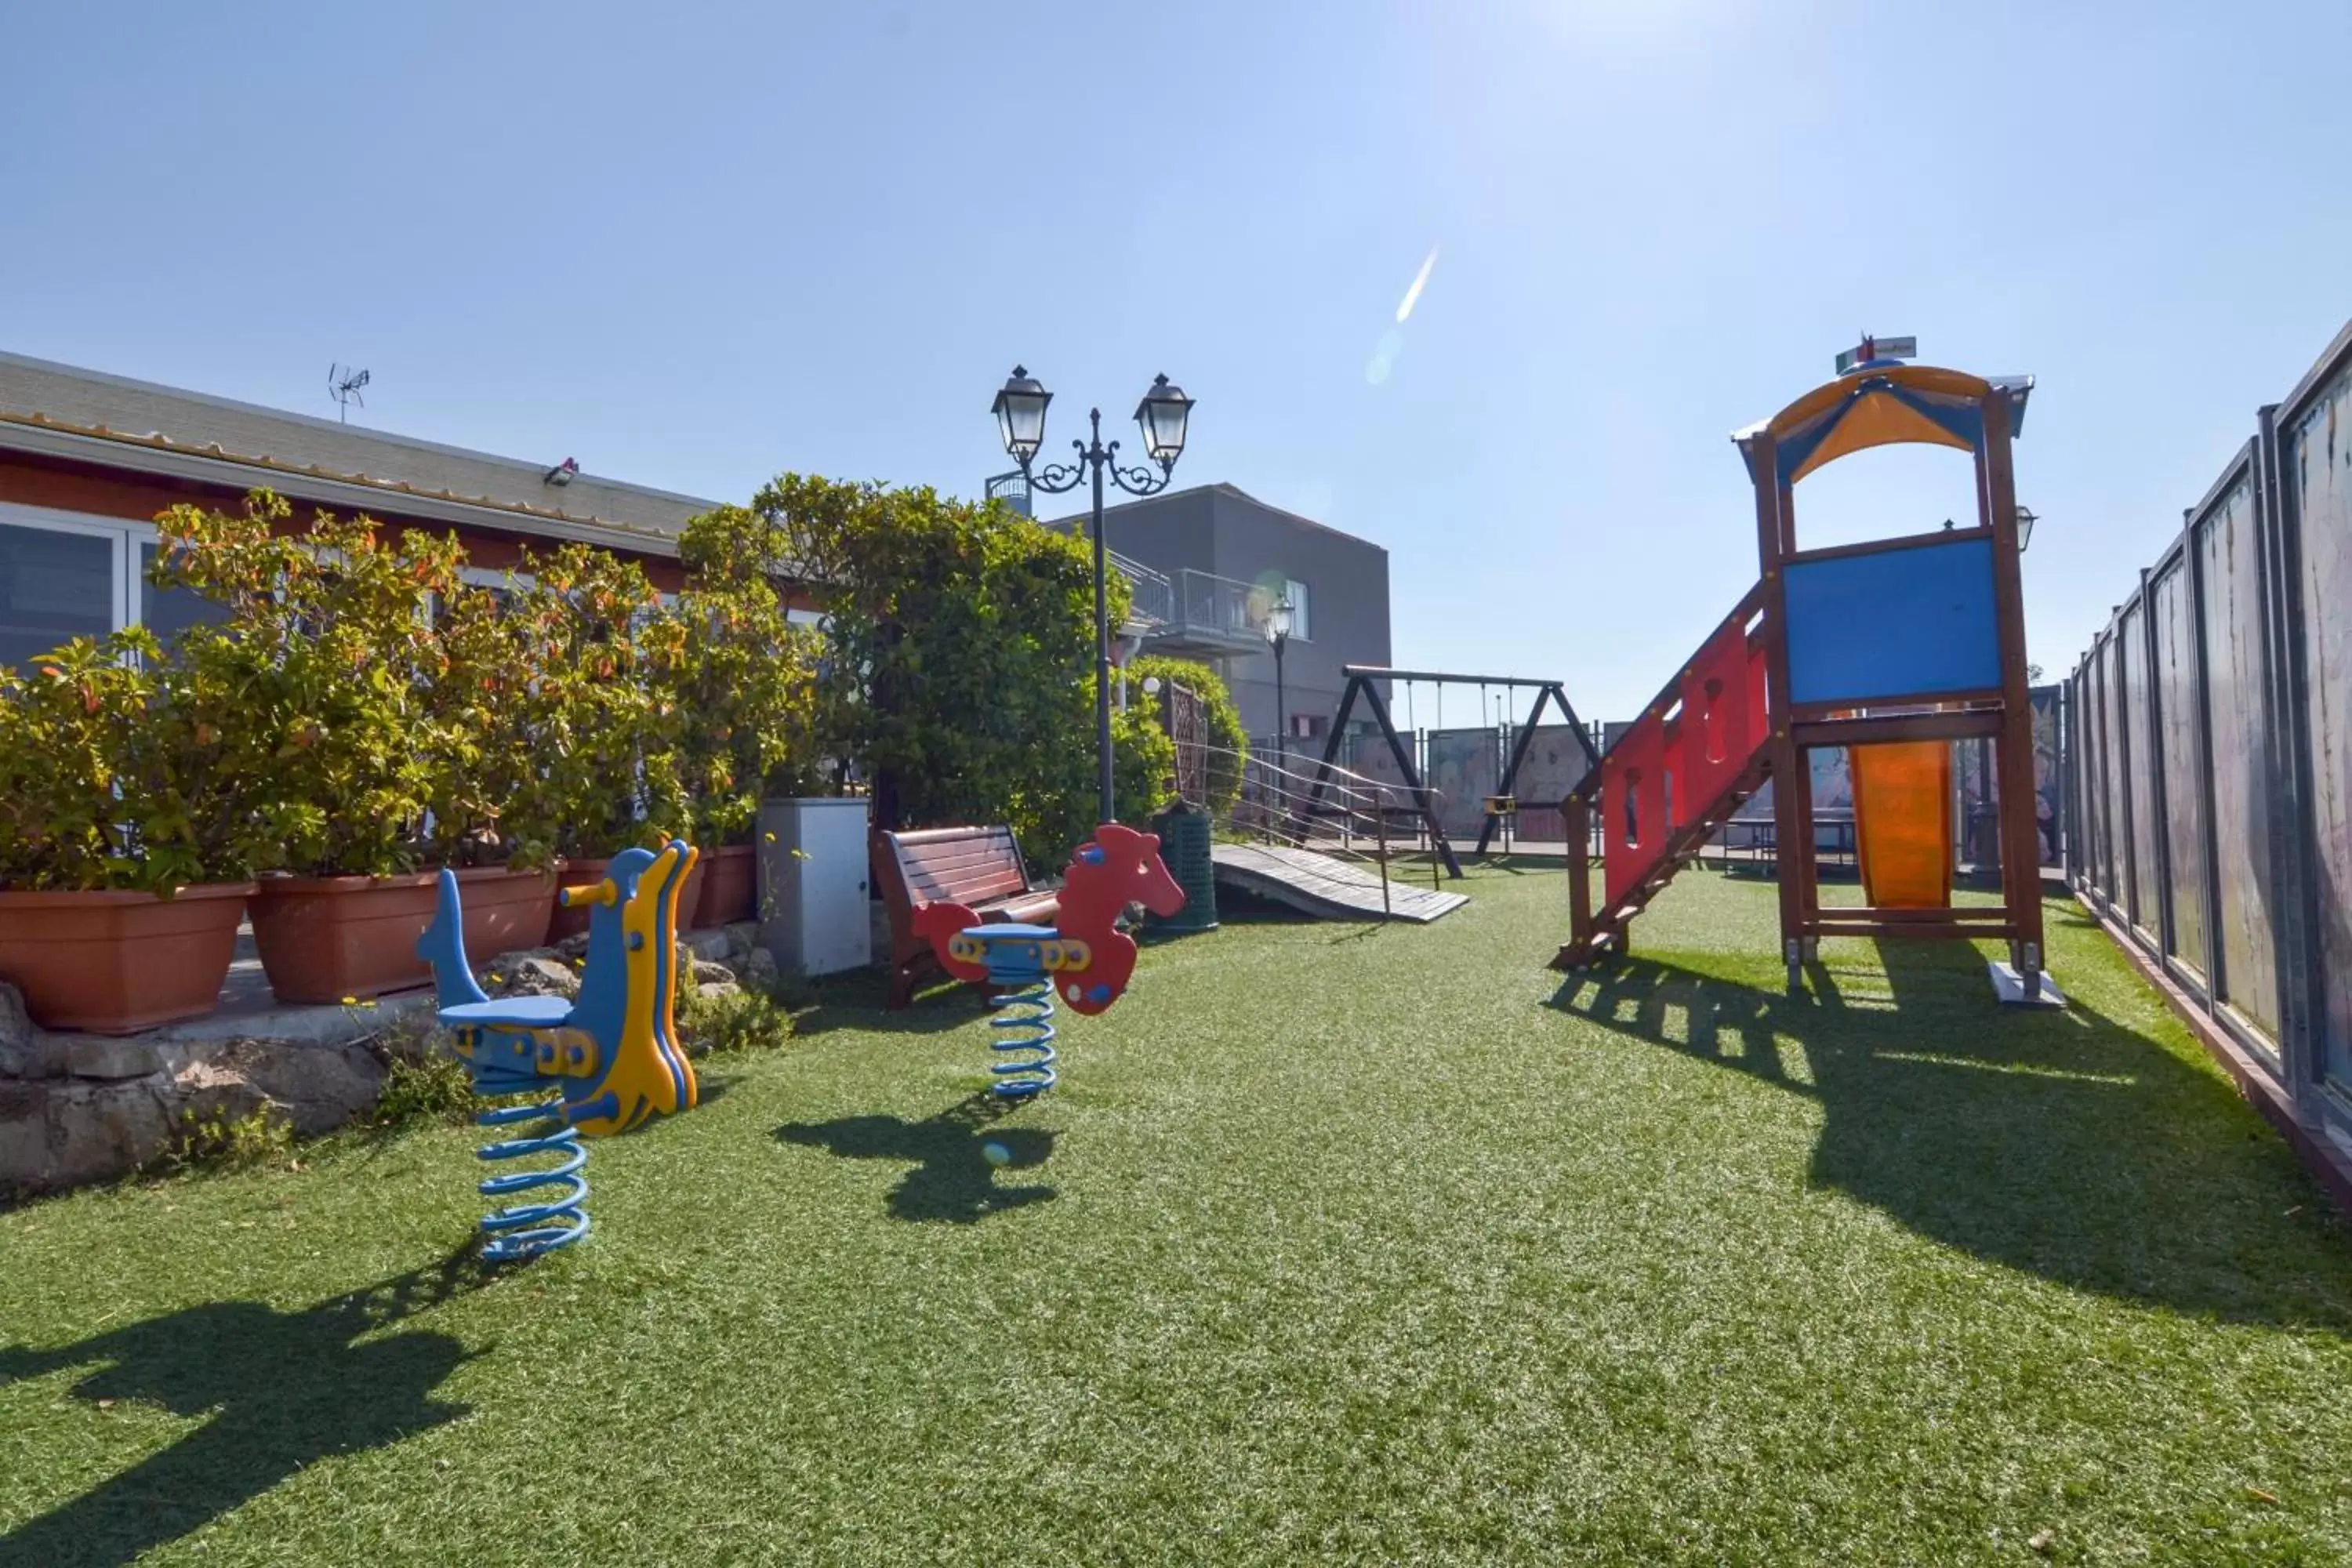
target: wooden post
<point>2021,860</point>
<point>1577,815</point>
<point>1441,849</point>
<point>1774,536</point>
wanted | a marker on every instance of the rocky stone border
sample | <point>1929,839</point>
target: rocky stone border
<point>78,1109</point>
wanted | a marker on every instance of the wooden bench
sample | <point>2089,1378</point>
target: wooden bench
<point>979,867</point>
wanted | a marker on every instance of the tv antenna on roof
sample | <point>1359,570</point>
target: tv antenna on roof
<point>1874,349</point>
<point>343,386</point>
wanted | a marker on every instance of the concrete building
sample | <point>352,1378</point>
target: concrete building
<point>87,460</point>
<point>1208,563</point>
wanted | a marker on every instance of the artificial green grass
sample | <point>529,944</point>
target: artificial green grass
<point>1335,1245</point>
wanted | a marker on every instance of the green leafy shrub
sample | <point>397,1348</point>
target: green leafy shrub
<point>960,664</point>
<point>1229,755</point>
<point>490,798</point>
<point>590,738</point>
<point>1143,763</point>
<point>329,667</point>
<point>745,1020</point>
<point>428,1088</point>
<point>118,771</point>
<point>209,1140</point>
<point>745,674</point>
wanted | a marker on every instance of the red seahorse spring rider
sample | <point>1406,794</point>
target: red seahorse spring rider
<point>1084,954</point>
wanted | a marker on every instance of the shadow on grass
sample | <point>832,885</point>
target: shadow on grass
<point>283,1390</point>
<point>2058,1143</point>
<point>952,1178</point>
<point>1510,864</point>
<point>854,1001</point>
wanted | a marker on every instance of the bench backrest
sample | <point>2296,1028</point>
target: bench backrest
<point>965,865</point>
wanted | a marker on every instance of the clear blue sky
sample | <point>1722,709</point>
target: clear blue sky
<point>693,244</point>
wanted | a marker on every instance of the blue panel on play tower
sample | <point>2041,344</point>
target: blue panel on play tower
<point>1893,624</point>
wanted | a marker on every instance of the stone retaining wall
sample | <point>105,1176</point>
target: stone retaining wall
<point>76,1108</point>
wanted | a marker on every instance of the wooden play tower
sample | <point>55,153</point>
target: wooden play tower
<point>1893,649</point>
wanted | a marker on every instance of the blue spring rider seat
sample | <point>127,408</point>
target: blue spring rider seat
<point>612,1055</point>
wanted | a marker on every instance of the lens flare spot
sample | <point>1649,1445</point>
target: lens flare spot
<point>1420,281</point>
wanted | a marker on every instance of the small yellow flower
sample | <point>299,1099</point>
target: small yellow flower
<point>351,1001</point>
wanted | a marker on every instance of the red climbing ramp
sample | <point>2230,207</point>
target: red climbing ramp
<point>1674,778</point>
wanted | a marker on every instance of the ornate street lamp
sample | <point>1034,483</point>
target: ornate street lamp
<point>1161,415</point>
<point>1276,629</point>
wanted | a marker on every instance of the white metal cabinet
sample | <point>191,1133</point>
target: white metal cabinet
<point>812,877</point>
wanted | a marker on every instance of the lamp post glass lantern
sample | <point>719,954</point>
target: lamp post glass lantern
<point>2025,521</point>
<point>1161,415</point>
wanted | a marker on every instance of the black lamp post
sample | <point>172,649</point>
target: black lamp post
<point>1277,637</point>
<point>1020,410</point>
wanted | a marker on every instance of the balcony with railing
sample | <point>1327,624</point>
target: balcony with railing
<point>1153,602</point>
<point>1211,614</point>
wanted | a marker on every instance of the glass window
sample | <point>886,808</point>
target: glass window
<point>168,612</point>
<point>1301,627</point>
<point>54,586</point>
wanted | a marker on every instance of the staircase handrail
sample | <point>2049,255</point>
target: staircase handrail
<point>1588,789</point>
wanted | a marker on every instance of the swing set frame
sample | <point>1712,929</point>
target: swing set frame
<point>1363,681</point>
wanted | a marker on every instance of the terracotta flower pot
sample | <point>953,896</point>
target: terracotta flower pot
<point>506,910</point>
<point>570,922</point>
<point>117,963</point>
<point>731,886</point>
<point>325,938</point>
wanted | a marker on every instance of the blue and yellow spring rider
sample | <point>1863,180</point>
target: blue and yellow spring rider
<point>612,1055</point>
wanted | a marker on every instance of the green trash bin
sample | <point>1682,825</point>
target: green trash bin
<point>1185,848</point>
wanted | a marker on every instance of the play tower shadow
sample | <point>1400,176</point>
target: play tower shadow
<point>2060,1143</point>
<point>952,1178</point>
<point>283,1390</point>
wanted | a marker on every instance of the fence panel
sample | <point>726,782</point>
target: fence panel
<point>2208,752</point>
<point>2082,723</point>
<point>2094,777</point>
<point>2049,777</point>
<point>1554,765</point>
<point>1372,755</point>
<point>1462,768</point>
<point>2226,536</point>
<point>2111,783</point>
<point>2315,470</point>
<point>2182,758</point>
<point>2140,762</point>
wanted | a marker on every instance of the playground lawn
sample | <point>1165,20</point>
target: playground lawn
<point>1336,1245</point>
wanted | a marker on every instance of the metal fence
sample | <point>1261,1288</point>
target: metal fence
<point>2207,751</point>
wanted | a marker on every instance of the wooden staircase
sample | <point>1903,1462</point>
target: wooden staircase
<point>1604,933</point>
<point>1705,737</point>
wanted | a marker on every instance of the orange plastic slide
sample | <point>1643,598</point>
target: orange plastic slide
<point>1903,823</point>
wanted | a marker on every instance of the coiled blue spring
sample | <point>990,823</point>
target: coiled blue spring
<point>1025,1040</point>
<point>521,1231</point>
